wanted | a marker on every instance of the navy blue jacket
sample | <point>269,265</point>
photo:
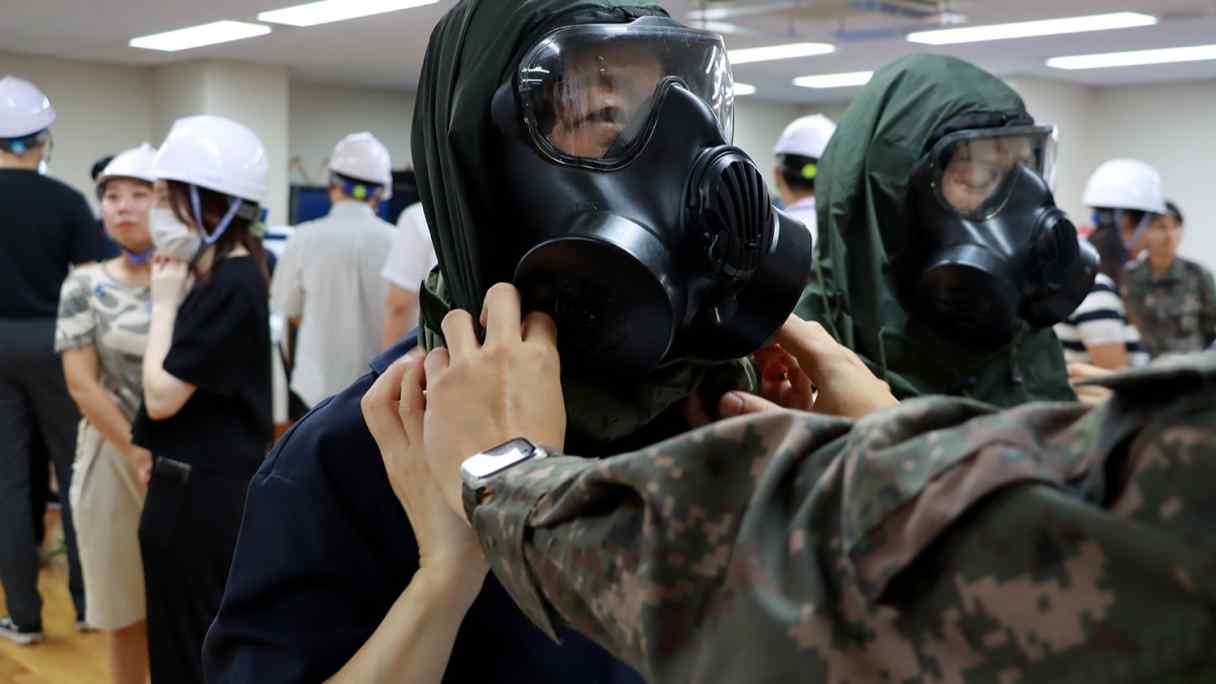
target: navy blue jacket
<point>325,549</point>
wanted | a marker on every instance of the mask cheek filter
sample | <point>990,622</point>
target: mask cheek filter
<point>607,288</point>
<point>960,288</point>
<point>1065,268</point>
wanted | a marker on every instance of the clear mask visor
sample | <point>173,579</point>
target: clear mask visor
<point>973,172</point>
<point>588,92</point>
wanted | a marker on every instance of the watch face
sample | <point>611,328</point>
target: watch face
<point>497,459</point>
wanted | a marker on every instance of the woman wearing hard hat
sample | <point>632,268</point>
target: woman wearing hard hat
<point>206,414</point>
<point>798,151</point>
<point>45,228</point>
<point>104,311</point>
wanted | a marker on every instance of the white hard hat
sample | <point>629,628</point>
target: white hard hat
<point>215,153</point>
<point>806,137</point>
<point>24,110</point>
<point>1125,184</point>
<point>362,157</point>
<point>138,162</point>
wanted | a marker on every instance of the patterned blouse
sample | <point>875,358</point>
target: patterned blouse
<point>113,317</point>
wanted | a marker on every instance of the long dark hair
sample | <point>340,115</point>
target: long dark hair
<point>213,207</point>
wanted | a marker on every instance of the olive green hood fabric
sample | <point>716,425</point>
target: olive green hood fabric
<point>474,50</point>
<point>867,225</point>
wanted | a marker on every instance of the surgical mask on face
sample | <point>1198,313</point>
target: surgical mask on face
<point>171,236</point>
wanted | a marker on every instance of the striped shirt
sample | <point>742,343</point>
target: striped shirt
<point>1100,320</point>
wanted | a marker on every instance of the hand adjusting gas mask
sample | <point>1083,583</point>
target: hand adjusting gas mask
<point>647,236</point>
<point>993,245</point>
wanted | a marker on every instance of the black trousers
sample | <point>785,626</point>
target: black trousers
<point>37,419</point>
<point>187,534</point>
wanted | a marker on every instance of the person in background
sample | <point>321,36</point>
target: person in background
<point>46,227</point>
<point>328,281</point>
<point>107,248</point>
<point>1098,333</point>
<point>943,260</point>
<point>798,151</point>
<point>411,259</point>
<point>206,411</point>
<point>104,312</point>
<point>1126,197</point>
<point>1171,300</point>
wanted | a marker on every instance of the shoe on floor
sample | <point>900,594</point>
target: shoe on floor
<point>84,627</point>
<point>20,635</point>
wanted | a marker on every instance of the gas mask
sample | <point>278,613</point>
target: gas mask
<point>646,235</point>
<point>994,247</point>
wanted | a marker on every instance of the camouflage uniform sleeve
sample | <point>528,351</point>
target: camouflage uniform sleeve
<point>935,542</point>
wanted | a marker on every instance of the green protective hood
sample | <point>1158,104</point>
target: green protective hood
<point>474,50</point>
<point>867,224</point>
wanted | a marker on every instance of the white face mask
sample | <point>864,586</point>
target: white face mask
<point>171,236</point>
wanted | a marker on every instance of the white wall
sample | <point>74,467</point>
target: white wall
<point>321,115</point>
<point>102,109</point>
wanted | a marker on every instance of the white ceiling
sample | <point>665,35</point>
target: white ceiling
<point>387,50</point>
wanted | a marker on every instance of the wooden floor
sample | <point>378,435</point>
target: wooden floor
<point>66,657</point>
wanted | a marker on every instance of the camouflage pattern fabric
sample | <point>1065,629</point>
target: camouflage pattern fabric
<point>1175,313</point>
<point>939,541</point>
<point>98,311</point>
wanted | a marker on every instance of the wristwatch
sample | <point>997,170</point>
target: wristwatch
<point>477,471</point>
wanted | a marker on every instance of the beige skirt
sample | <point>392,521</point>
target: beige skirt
<point>107,498</point>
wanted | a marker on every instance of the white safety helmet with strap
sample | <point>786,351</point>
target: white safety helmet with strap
<point>1125,184</point>
<point>24,109</point>
<point>361,157</point>
<point>220,155</point>
<point>806,137</point>
<point>138,163</point>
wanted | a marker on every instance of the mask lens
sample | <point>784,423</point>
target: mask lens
<point>975,170</point>
<point>588,91</point>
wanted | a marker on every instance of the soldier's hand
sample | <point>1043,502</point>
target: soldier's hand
<point>482,395</point>
<point>844,386</point>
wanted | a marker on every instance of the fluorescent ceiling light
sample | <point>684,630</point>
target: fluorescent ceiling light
<point>1030,29</point>
<point>328,11</point>
<point>774,52</point>
<point>1196,53</point>
<point>848,80</point>
<point>742,89</point>
<point>198,36</point>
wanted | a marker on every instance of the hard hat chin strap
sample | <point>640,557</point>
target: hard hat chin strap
<point>234,206</point>
<point>1129,244</point>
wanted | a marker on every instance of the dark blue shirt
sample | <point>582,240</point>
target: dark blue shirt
<point>325,549</point>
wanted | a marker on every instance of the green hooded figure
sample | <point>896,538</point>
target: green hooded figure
<point>460,175</point>
<point>870,235</point>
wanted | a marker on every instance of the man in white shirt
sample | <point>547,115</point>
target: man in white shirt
<point>328,280</point>
<point>408,264</point>
<point>798,152</point>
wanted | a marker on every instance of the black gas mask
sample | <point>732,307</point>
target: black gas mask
<point>994,247</point>
<point>647,236</point>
